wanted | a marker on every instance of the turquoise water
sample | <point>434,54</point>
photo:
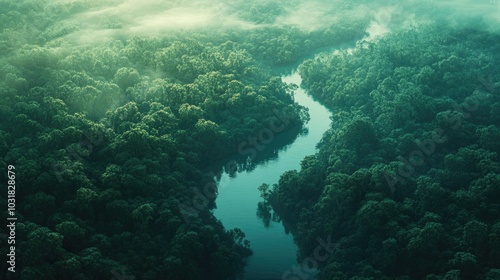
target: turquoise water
<point>274,250</point>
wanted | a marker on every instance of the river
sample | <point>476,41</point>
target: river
<point>274,251</point>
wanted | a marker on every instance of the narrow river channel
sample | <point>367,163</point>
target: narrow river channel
<point>274,250</point>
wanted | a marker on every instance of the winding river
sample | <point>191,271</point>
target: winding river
<point>274,251</point>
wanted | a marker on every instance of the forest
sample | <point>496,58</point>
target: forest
<point>109,137</point>
<point>407,179</point>
<point>111,112</point>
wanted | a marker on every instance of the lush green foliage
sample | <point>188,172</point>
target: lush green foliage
<point>407,180</point>
<point>109,138</point>
<point>110,128</point>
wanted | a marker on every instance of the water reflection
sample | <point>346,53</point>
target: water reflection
<point>241,203</point>
<point>239,163</point>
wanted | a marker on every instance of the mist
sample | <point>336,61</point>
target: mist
<point>154,18</point>
<point>121,19</point>
<point>309,16</point>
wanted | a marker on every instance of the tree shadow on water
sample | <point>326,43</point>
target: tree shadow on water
<point>264,209</point>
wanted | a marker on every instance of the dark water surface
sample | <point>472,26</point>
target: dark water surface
<point>274,251</point>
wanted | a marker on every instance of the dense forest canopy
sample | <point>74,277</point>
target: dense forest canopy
<point>407,180</point>
<point>111,110</point>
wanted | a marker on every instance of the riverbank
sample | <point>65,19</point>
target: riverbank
<point>274,251</point>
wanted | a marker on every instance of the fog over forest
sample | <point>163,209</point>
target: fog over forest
<point>146,18</point>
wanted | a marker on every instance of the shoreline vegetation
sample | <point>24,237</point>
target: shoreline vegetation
<point>109,132</point>
<point>406,181</point>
